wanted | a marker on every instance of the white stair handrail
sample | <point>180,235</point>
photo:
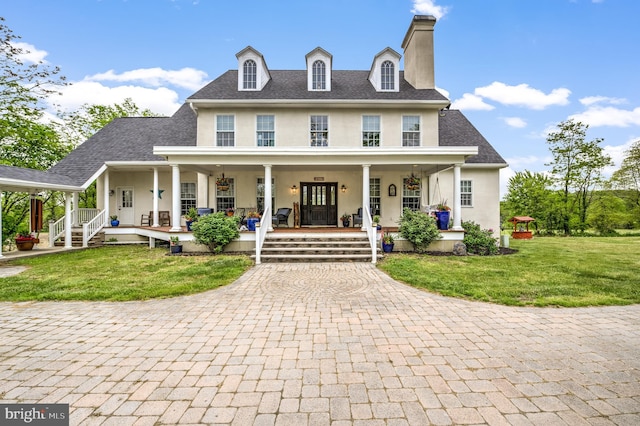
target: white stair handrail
<point>91,228</point>
<point>56,230</point>
<point>261,232</point>
<point>367,223</point>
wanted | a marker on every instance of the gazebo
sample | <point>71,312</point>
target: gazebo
<point>519,233</point>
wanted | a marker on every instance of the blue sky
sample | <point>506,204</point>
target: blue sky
<point>515,68</point>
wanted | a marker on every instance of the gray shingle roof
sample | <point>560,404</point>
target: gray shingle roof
<point>345,85</point>
<point>456,130</point>
<point>31,175</point>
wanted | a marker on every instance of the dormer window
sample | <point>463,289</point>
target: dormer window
<point>319,70</point>
<point>253,73</point>
<point>319,81</point>
<point>249,78</point>
<point>385,74</point>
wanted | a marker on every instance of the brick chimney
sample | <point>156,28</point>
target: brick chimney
<point>418,53</point>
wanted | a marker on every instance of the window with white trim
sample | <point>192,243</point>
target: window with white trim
<point>260,189</point>
<point>249,74</point>
<point>466,194</point>
<point>319,76</point>
<point>370,130</point>
<point>387,75</point>
<point>410,197</point>
<point>374,196</point>
<point>187,196</point>
<point>225,130</point>
<point>319,130</point>
<point>226,199</point>
<point>265,130</point>
<point>410,130</point>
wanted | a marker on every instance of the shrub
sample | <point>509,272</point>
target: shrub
<point>216,230</point>
<point>479,241</point>
<point>418,228</point>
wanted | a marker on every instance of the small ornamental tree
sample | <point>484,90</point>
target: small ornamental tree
<point>216,230</point>
<point>479,241</point>
<point>419,228</point>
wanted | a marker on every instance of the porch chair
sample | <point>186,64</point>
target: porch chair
<point>357,218</point>
<point>146,219</point>
<point>164,218</point>
<point>281,217</point>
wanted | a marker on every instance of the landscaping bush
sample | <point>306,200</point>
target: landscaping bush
<point>216,230</point>
<point>479,241</point>
<point>418,228</point>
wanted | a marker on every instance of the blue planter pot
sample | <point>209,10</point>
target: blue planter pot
<point>115,222</point>
<point>443,220</point>
<point>188,223</point>
<point>387,248</point>
<point>251,223</point>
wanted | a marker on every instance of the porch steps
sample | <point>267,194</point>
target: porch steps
<point>322,247</point>
<point>76,239</point>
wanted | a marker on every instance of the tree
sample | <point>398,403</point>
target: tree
<point>576,169</point>
<point>529,194</point>
<point>627,178</point>
<point>25,141</point>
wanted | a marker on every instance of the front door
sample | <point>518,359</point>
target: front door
<point>318,204</point>
<point>125,205</point>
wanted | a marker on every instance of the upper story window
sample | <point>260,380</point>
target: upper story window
<point>466,199</point>
<point>410,130</point>
<point>319,130</point>
<point>387,75</point>
<point>265,130</point>
<point>249,70</point>
<point>319,76</point>
<point>225,130</point>
<point>370,130</point>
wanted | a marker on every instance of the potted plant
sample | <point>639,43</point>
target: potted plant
<point>174,244</point>
<point>190,217</point>
<point>412,183</point>
<point>346,219</point>
<point>114,220</point>
<point>253,217</point>
<point>222,183</point>
<point>387,242</point>
<point>443,212</point>
<point>376,222</point>
<point>25,241</point>
<point>229,211</point>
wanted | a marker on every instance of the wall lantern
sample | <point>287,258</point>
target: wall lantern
<point>343,188</point>
<point>294,189</point>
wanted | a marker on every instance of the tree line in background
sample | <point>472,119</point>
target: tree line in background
<point>31,139</point>
<point>574,196</point>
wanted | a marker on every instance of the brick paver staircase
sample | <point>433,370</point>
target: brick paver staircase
<point>76,239</point>
<point>316,247</point>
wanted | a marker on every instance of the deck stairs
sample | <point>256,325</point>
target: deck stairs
<point>76,239</point>
<point>317,247</point>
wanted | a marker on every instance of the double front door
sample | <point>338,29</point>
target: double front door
<point>318,204</point>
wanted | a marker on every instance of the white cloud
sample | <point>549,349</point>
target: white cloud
<point>516,122</point>
<point>428,7</point>
<point>597,116</point>
<point>617,154</point>
<point>159,100</point>
<point>590,100</point>
<point>31,55</point>
<point>187,78</point>
<point>445,92</point>
<point>523,95</point>
<point>471,102</point>
<point>526,162</point>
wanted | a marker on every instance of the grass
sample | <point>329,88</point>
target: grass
<point>546,271</point>
<point>119,273</point>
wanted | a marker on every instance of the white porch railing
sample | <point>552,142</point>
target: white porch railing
<point>367,223</point>
<point>261,232</point>
<point>92,221</point>
<point>91,228</point>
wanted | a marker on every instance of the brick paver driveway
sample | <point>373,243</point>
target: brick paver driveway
<point>340,344</point>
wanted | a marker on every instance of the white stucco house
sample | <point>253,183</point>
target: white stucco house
<point>332,141</point>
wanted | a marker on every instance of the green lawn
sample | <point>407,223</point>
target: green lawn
<point>546,271</point>
<point>119,273</point>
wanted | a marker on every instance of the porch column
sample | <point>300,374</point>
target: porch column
<point>1,240</point>
<point>67,220</point>
<point>267,195</point>
<point>203,190</point>
<point>105,195</point>
<point>365,196</point>
<point>457,203</point>
<point>175,198</point>
<point>156,219</point>
<point>76,211</point>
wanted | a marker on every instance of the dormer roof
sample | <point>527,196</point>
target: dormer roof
<point>250,77</point>
<point>319,70</point>
<point>385,71</point>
